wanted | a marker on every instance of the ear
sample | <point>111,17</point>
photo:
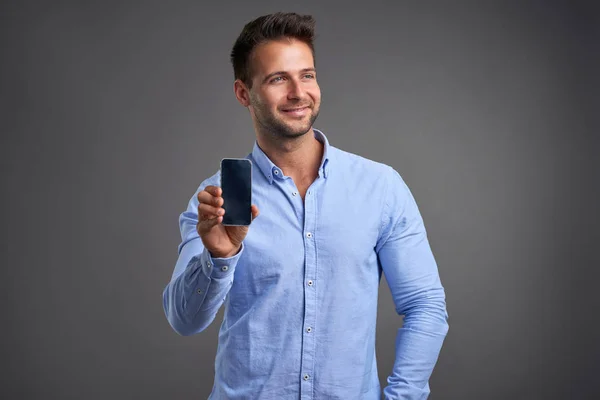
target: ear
<point>242,93</point>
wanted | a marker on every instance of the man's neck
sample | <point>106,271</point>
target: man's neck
<point>298,158</point>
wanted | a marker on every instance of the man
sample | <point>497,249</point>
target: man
<point>300,285</point>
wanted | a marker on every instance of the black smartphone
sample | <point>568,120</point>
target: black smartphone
<point>236,184</point>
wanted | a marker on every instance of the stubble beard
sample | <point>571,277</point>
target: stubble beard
<point>279,129</point>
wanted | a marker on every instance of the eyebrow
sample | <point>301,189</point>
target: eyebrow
<point>272,74</point>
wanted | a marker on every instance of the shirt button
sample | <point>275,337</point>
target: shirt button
<point>294,193</point>
<point>306,377</point>
<point>309,329</point>
<point>310,283</point>
<point>199,291</point>
<point>309,235</point>
<point>208,265</point>
<point>309,192</point>
<point>224,268</point>
<point>276,172</point>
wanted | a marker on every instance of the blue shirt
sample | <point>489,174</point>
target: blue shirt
<point>301,296</point>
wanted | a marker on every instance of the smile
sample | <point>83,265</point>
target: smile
<point>296,111</point>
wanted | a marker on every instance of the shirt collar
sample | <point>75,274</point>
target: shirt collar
<point>272,171</point>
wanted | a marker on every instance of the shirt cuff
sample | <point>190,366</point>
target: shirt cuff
<point>219,268</point>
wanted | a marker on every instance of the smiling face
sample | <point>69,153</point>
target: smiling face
<point>285,98</point>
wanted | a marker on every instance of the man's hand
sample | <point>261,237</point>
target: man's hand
<point>220,240</point>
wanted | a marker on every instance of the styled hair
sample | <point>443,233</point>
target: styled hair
<point>269,27</point>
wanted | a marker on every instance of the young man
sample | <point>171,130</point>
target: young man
<point>300,284</point>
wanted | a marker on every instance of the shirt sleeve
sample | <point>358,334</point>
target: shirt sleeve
<point>411,271</point>
<point>200,283</point>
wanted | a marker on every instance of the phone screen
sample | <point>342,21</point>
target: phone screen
<point>236,184</point>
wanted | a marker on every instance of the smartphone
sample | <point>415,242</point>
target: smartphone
<point>236,186</point>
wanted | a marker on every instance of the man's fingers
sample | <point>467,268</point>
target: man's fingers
<point>208,212</point>
<point>213,190</point>
<point>207,224</point>
<point>207,198</point>
<point>255,211</point>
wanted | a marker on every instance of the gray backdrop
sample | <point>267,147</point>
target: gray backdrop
<point>112,115</point>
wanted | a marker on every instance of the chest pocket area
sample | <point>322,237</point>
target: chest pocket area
<point>272,262</point>
<point>348,239</point>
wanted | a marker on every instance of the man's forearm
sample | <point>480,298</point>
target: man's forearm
<point>192,299</point>
<point>418,345</point>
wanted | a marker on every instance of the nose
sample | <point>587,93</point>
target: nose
<point>295,90</point>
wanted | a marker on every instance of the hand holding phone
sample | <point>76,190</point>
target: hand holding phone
<point>220,239</point>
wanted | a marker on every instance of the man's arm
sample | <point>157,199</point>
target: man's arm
<point>411,272</point>
<point>200,283</point>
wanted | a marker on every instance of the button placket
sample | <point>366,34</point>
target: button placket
<point>310,295</point>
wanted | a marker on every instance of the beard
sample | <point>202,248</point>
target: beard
<point>279,127</point>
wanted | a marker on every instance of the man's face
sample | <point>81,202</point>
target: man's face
<point>285,97</point>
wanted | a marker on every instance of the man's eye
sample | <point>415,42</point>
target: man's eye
<point>309,76</point>
<point>276,79</point>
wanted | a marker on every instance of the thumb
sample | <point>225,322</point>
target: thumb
<point>255,212</point>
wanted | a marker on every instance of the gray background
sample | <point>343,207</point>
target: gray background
<point>112,115</point>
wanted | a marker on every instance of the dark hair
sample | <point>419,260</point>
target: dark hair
<point>265,28</point>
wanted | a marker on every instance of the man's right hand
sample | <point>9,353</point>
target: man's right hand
<point>220,240</point>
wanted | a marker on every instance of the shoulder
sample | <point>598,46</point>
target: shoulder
<point>383,183</point>
<point>362,167</point>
